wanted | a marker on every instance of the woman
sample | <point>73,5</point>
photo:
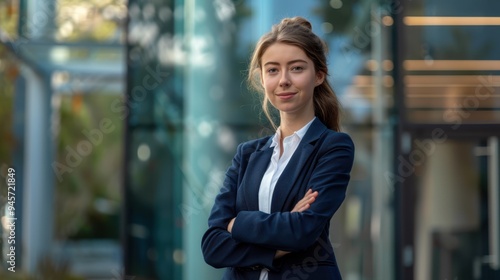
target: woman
<point>271,218</point>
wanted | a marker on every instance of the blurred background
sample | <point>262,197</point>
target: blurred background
<point>120,118</point>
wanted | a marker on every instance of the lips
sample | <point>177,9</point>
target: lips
<point>285,95</point>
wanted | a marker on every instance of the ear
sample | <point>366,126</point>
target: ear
<point>320,77</point>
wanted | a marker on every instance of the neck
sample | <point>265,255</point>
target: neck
<point>290,123</point>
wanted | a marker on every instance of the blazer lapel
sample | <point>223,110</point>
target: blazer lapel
<point>257,166</point>
<point>286,184</point>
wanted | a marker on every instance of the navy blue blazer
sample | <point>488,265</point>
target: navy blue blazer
<point>322,162</point>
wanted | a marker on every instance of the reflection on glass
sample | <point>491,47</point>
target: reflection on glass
<point>143,152</point>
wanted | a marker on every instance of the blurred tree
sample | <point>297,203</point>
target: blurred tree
<point>9,16</point>
<point>91,20</point>
<point>341,14</point>
<point>353,18</point>
<point>88,192</point>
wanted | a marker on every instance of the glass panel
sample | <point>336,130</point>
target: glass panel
<point>153,224</point>
<point>154,165</point>
<point>362,230</point>
<point>451,230</point>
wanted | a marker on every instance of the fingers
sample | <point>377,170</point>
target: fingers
<point>302,208</point>
<point>310,196</point>
<point>306,201</point>
<point>230,225</point>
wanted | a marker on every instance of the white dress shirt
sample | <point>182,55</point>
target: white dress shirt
<point>275,168</point>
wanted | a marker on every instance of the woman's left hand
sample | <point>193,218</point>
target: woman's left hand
<point>305,202</point>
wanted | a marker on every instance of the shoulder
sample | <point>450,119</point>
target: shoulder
<point>335,143</point>
<point>254,145</point>
<point>319,132</point>
<point>334,137</point>
<point>336,149</point>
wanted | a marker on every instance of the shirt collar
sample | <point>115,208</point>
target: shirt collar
<point>299,133</point>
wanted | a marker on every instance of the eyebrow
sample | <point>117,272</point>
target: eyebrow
<point>289,62</point>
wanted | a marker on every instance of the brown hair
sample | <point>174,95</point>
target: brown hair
<point>297,31</point>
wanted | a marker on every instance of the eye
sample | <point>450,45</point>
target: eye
<point>272,70</point>
<point>297,68</point>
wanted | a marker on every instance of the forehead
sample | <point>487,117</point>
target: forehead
<point>282,53</point>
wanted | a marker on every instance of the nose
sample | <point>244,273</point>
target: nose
<point>284,80</point>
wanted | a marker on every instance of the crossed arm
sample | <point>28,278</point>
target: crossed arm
<point>221,250</point>
<point>301,206</point>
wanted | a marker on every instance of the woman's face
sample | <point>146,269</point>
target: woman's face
<point>289,79</point>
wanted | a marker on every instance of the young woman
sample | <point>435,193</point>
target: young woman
<point>272,216</point>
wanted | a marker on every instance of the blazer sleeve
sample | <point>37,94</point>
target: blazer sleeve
<point>298,231</point>
<point>219,248</point>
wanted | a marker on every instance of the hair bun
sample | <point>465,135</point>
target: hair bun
<point>296,21</point>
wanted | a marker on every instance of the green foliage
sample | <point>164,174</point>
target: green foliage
<point>9,17</point>
<point>92,20</point>
<point>8,73</point>
<point>341,17</point>
<point>88,194</point>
